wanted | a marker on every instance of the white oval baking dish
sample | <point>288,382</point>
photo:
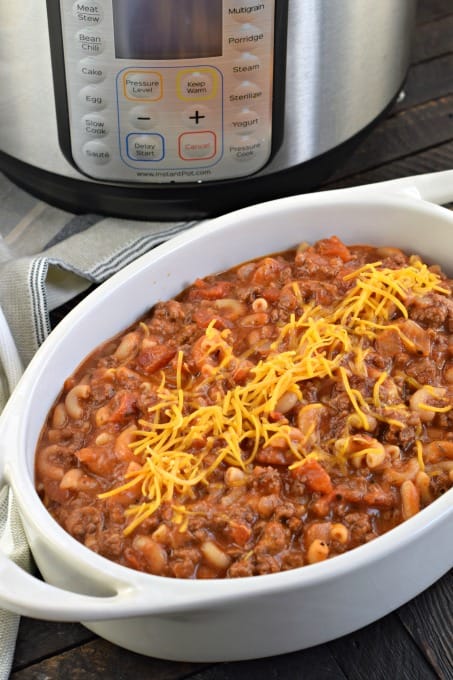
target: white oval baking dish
<point>227,619</point>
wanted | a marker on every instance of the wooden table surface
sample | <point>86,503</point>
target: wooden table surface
<point>414,642</point>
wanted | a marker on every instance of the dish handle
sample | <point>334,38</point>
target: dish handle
<point>26,595</point>
<point>434,187</point>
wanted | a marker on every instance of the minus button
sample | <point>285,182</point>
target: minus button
<point>142,117</point>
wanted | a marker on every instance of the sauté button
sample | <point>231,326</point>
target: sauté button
<point>97,152</point>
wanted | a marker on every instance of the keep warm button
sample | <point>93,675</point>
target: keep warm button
<point>146,147</point>
<point>197,145</point>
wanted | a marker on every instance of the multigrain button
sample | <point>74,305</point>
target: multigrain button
<point>91,71</point>
<point>97,153</point>
<point>245,10</point>
<point>88,13</point>
<point>246,65</point>
<point>245,37</point>
<point>93,98</point>
<point>145,147</point>
<point>94,125</point>
<point>89,43</point>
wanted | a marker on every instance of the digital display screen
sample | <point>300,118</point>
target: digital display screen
<point>167,29</point>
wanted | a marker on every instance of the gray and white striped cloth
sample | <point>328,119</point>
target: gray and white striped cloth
<point>47,257</point>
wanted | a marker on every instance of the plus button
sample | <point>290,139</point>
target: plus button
<point>197,117</point>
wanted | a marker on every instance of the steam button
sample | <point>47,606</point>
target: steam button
<point>245,122</point>
<point>88,13</point>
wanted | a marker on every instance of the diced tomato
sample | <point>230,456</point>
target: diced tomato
<point>333,247</point>
<point>314,476</point>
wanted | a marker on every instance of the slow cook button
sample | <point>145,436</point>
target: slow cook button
<point>245,149</point>
<point>245,122</point>
<point>197,145</point>
<point>91,71</point>
<point>245,10</point>
<point>92,98</point>
<point>146,148</point>
<point>88,13</point>
<point>94,125</point>
<point>97,153</point>
<point>245,38</point>
<point>246,93</point>
<point>89,42</point>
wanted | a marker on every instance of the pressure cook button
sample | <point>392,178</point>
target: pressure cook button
<point>245,149</point>
<point>245,10</point>
<point>89,42</point>
<point>92,98</point>
<point>91,71</point>
<point>245,38</point>
<point>88,13</point>
<point>146,147</point>
<point>94,125</point>
<point>143,117</point>
<point>97,152</point>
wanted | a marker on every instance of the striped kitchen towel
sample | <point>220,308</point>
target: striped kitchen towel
<point>47,257</point>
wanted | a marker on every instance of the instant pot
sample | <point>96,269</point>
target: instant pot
<point>169,109</point>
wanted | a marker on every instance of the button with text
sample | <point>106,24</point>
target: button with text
<point>197,145</point>
<point>146,147</point>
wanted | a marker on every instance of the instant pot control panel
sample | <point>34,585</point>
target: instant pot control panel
<point>165,90</point>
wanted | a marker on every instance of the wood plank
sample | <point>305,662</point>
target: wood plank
<point>381,651</point>
<point>41,639</point>
<point>433,39</point>
<point>430,10</point>
<point>429,620</point>
<point>100,659</point>
<point>403,134</point>
<point>433,160</point>
<point>426,81</point>
<point>309,664</point>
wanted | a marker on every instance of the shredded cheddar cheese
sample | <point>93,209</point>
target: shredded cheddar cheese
<point>319,343</point>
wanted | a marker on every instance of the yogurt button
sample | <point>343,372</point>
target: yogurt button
<point>97,153</point>
<point>245,122</point>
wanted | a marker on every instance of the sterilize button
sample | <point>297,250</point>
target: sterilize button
<point>88,13</point>
<point>89,43</point>
<point>245,10</point>
<point>197,145</point>
<point>245,38</point>
<point>246,93</point>
<point>91,71</point>
<point>143,117</point>
<point>92,98</point>
<point>145,147</point>
<point>97,152</point>
<point>94,125</point>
